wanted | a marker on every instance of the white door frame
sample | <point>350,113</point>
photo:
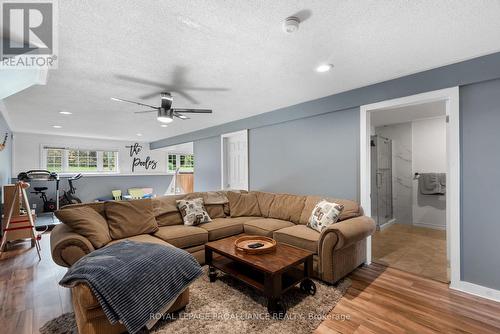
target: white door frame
<point>451,97</point>
<point>223,158</point>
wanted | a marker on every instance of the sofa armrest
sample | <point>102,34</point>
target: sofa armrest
<point>347,232</point>
<point>67,246</point>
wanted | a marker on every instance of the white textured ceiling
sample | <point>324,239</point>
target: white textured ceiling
<point>238,46</point>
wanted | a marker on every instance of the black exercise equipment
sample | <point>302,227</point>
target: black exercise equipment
<point>69,197</point>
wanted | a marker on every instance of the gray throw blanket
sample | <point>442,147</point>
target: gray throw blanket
<point>432,183</point>
<point>134,280</point>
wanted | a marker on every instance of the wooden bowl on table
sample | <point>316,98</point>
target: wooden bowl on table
<point>241,244</point>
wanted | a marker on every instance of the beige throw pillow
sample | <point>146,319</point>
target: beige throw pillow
<point>87,222</point>
<point>324,214</point>
<point>129,218</point>
<point>193,212</point>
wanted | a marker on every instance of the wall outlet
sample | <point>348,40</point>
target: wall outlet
<point>34,206</point>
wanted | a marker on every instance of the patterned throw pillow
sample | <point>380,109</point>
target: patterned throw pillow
<point>193,211</point>
<point>324,214</point>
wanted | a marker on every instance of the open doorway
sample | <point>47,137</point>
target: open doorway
<point>410,183</point>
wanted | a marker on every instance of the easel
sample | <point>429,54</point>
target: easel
<point>12,202</point>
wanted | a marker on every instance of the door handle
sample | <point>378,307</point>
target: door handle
<point>378,179</point>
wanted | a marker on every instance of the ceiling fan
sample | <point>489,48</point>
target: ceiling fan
<point>165,111</point>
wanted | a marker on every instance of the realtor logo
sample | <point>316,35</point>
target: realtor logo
<point>28,34</point>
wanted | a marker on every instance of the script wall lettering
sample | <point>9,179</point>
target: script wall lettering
<point>148,163</point>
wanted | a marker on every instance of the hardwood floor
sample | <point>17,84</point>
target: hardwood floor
<point>388,300</point>
<point>29,290</point>
<point>380,300</point>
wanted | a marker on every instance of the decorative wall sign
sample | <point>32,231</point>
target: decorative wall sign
<point>4,143</point>
<point>148,163</point>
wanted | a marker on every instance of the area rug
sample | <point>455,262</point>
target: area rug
<point>228,306</point>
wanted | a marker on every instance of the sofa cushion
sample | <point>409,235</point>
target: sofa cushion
<point>287,207</point>
<point>193,211</point>
<point>97,206</point>
<point>265,226</point>
<point>351,208</point>
<point>129,218</point>
<point>265,200</point>
<point>88,222</point>
<point>165,210</point>
<point>143,238</point>
<point>215,210</point>
<point>243,204</point>
<point>182,236</point>
<point>299,236</point>
<point>224,227</point>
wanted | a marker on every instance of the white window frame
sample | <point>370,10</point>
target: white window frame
<point>100,167</point>
<point>177,160</point>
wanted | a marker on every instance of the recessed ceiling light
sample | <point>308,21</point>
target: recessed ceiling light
<point>164,125</point>
<point>139,134</point>
<point>56,126</point>
<point>324,68</point>
<point>65,113</point>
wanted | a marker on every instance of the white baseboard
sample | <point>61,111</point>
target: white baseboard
<point>386,225</point>
<point>427,225</point>
<point>477,290</point>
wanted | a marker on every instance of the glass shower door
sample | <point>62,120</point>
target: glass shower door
<point>381,158</point>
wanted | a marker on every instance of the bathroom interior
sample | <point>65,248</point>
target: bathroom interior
<point>408,182</point>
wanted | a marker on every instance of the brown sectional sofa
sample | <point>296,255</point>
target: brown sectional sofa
<point>337,250</point>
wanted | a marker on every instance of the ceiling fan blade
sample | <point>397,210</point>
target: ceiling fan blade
<point>206,89</point>
<point>138,103</point>
<point>149,96</point>
<point>185,95</point>
<point>143,111</point>
<point>140,80</point>
<point>181,116</point>
<point>192,111</point>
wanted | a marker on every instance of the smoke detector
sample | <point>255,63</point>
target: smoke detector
<point>291,24</point>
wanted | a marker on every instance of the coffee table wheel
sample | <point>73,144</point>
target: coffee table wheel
<point>212,274</point>
<point>308,286</point>
<point>276,308</point>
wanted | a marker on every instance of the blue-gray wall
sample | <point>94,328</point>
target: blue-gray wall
<point>304,156</point>
<point>207,174</point>
<point>307,156</point>
<point>279,133</point>
<point>480,156</point>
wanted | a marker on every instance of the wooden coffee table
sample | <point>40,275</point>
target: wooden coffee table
<point>271,274</point>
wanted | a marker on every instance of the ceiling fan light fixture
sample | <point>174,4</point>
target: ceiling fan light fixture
<point>164,119</point>
<point>164,116</point>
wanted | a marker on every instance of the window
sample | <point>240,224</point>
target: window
<point>172,162</point>
<point>54,160</point>
<point>185,162</point>
<point>109,161</point>
<point>68,160</point>
<point>82,161</point>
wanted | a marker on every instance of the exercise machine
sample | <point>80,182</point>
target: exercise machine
<point>68,196</point>
<point>42,175</point>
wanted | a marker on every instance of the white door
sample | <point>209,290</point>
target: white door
<point>235,160</point>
